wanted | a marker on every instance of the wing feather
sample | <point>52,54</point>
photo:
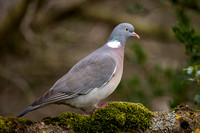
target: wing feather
<point>94,71</point>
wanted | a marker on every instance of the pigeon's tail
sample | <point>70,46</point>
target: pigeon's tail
<point>29,109</point>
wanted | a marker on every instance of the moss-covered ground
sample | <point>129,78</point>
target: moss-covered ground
<point>13,124</point>
<point>116,117</point>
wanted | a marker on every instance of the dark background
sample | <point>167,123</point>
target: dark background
<point>40,40</point>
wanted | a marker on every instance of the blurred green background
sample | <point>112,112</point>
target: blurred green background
<point>40,40</point>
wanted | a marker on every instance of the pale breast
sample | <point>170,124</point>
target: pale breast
<point>90,100</point>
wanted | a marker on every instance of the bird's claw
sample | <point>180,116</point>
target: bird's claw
<point>100,106</point>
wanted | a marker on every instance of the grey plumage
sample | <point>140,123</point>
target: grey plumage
<point>86,75</point>
<point>92,79</point>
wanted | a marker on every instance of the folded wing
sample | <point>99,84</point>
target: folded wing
<point>94,71</point>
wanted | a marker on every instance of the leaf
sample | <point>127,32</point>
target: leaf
<point>190,79</point>
<point>198,73</point>
<point>197,98</point>
<point>196,67</point>
<point>188,70</point>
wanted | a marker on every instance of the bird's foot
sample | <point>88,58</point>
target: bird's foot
<point>102,105</point>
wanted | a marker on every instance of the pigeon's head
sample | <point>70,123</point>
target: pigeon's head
<point>122,31</point>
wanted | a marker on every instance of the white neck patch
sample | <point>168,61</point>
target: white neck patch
<point>113,44</point>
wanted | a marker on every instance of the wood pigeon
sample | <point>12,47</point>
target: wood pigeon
<point>93,78</point>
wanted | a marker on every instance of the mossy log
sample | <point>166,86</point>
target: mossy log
<point>115,117</point>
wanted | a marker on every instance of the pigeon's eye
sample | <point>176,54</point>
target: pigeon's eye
<point>126,29</point>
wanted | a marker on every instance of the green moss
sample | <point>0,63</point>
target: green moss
<point>117,116</point>
<point>13,124</point>
<point>67,120</point>
<point>182,107</point>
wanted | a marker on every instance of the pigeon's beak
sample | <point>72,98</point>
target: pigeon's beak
<point>136,35</point>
